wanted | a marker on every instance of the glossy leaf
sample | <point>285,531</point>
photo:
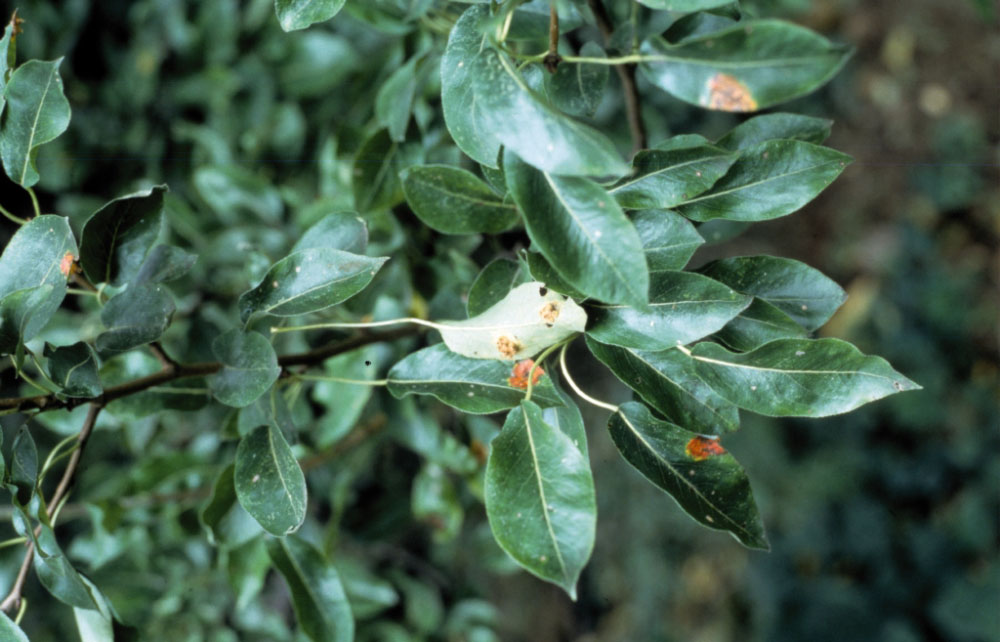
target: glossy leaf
<point>541,270</point>
<point>308,281</point>
<point>299,14</point>
<point>749,66</point>
<point>667,381</point>
<point>321,607</point>
<point>22,314</point>
<point>540,498</point>
<point>74,369</point>
<point>453,201</point>
<point>568,420</point>
<point>683,307</point>
<point>340,231</point>
<point>164,263</point>
<point>799,377</point>
<point>24,464</point>
<point>668,239</point>
<point>10,632</point>
<point>249,367</point>
<point>665,178</point>
<point>116,238</point>
<point>803,293</point>
<point>765,127</point>
<point>581,231</point>
<point>773,179</point>
<point>708,483</point>
<point>477,386</point>
<point>758,324</point>
<point>269,484</point>
<point>135,317</point>
<point>578,88</point>
<point>36,113</point>
<point>526,321</point>
<point>227,523</point>
<point>492,284</point>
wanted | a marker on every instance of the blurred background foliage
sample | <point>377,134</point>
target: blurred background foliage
<point>883,523</point>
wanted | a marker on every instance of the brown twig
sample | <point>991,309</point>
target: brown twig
<point>552,59</point>
<point>13,599</point>
<point>626,74</point>
<point>161,355</point>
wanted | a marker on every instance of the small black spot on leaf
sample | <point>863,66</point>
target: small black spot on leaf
<point>543,290</point>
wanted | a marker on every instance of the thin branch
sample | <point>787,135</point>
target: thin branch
<point>161,355</point>
<point>74,461</point>
<point>34,201</point>
<point>13,598</point>
<point>13,218</point>
<point>626,74</point>
<point>552,58</point>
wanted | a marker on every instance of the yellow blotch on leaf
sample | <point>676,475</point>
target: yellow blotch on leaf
<point>727,93</point>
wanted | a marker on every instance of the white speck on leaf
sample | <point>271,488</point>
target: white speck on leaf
<point>256,478</point>
<point>799,353</point>
<point>753,387</point>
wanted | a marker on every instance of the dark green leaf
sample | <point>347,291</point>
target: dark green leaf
<point>344,401</point>
<point>568,420</point>
<point>492,284</point>
<point>227,522</point>
<point>36,113</point>
<point>540,498</point>
<point>235,194</point>
<point>10,632</point>
<point>799,377</point>
<point>321,607</point>
<point>419,431</point>
<point>668,382</point>
<point>135,317</point>
<point>367,593</point>
<point>704,480</point>
<point>164,263</point>
<point>665,178</point>
<point>394,100</point>
<point>299,14</point>
<point>308,281</point>
<point>542,271</point>
<point>773,179</point>
<point>377,166</point>
<point>94,624</point>
<point>668,238</point>
<point>577,88</point>
<point>765,127</point>
<point>74,369</point>
<point>582,232</point>
<point>22,314</point>
<point>684,5</point>
<point>117,237</point>
<point>249,367</point>
<point>749,66</point>
<point>434,501</point>
<point>803,293</point>
<point>8,49</point>
<point>454,201</point>
<point>269,483</point>
<point>478,386</point>
<point>683,307</point>
<point>340,230</point>
<point>760,323</point>
<point>24,464</point>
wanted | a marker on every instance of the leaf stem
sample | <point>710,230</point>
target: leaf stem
<point>358,382</point>
<point>15,219</point>
<point>531,373</point>
<point>576,388</point>
<point>34,201</point>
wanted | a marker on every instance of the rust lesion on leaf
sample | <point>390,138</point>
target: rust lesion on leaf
<point>508,346</point>
<point>519,375</point>
<point>549,311</point>
<point>67,265</point>
<point>701,448</point>
<point>728,93</point>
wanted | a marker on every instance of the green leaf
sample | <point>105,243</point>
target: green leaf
<point>454,201</point>
<point>24,464</point>
<point>269,484</point>
<point>799,377</point>
<point>749,66</point>
<point>340,231</point>
<point>394,100</point>
<point>235,194</point>
<point>94,625</point>
<point>299,14</point>
<point>7,60</point>
<point>477,386</point>
<point>684,5</point>
<point>492,284</point>
<point>377,167</point>
<point>23,313</point>
<point>665,178</point>
<point>418,430</point>
<point>526,321</point>
<point>683,307</point>
<point>308,281</point>
<point>704,480</point>
<point>164,263</point>
<point>773,179</point>
<point>540,498</point>
<point>249,367</point>
<point>577,88</point>
<point>568,420</point>
<point>435,501</point>
<point>116,238</point>
<point>135,317</point>
<point>10,632</point>
<point>582,232</point>
<point>344,402</point>
<point>758,324</point>
<point>803,293</point>
<point>74,369</point>
<point>542,271</point>
<point>667,381</point>
<point>321,607</point>
<point>36,113</point>
<point>226,521</point>
<point>668,239</point>
<point>765,127</point>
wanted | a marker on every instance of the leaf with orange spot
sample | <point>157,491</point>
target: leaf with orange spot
<point>519,374</point>
<point>66,264</point>
<point>701,448</point>
<point>727,93</point>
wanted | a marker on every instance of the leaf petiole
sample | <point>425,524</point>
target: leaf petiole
<point>576,388</point>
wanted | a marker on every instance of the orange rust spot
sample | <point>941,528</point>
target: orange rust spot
<point>66,266</point>
<point>16,23</point>
<point>519,375</point>
<point>508,346</point>
<point>701,448</point>
<point>479,451</point>
<point>549,311</point>
<point>727,93</point>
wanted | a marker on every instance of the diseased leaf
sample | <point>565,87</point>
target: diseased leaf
<point>492,284</point>
<point>249,367</point>
<point>269,483</point>
<point>36,113</point>
<point>765,127</point>
<point>74,369</point>
<point>758,324</point>
<point>748,66</point>
<point>135,317</point>
<point>704,480</point>
<point>308,281</point>
<point>340,231</point>
<point>321,607</point>
<point>477,386</point>
<point>526,321</point>
<point>453,201</point>
<point>773,179</point>
<point>299,14</point>
<point>665,178</point>
<point>540,498</point>
<point>581,231</point>
<point>683,307</point>
<point>116,238</point>
<point>668,239</point>
<point>667,381</point>
<point>577,88</point>
<point>799,377</point>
